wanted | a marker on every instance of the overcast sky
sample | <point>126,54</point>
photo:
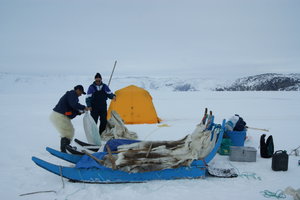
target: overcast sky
<point>165,37</point>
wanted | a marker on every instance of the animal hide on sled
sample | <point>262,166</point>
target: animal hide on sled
<point>116,129</point>
<point>157,155</point>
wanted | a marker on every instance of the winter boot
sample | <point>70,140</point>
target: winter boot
<point>63,143</point>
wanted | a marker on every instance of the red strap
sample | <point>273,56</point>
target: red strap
<point>68,113</point>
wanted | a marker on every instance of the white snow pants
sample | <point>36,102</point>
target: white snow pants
<point>62,124</point>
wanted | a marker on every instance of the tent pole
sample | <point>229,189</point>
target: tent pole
<point>112,72</point>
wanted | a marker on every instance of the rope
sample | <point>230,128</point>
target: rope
<point>279,194</point>
<point>247,175</point>
<point>47,191</point>
<point>78,190</point>
<point>62,179</point>
<point>30,193</point>
<point>151,133</point>
<point>295,152</point>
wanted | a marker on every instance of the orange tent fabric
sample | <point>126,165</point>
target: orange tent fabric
<point>134,105</point>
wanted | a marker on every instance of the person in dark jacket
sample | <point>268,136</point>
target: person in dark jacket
<point>67,108</point>
<point>96,97</point>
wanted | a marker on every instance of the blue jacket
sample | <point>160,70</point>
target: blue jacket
<point>97,95</point>
<point>69,105</point>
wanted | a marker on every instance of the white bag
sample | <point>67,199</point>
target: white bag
<point>91,130</point>
<point>230,124</point>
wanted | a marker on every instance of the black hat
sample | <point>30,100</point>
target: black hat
<point>98,75</point>
<point>79,87</point>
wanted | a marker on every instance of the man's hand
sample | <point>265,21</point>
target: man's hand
<point>88,108</point>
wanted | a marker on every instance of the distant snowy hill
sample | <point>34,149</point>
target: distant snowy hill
<point>54,83</point>
<point>265,82</point>
<point>168,83</point>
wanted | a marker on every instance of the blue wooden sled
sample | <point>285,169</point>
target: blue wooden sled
<point>103,174</point>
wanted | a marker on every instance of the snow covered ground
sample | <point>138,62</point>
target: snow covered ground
<point>26,131</point>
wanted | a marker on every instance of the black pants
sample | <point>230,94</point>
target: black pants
<point>102,114</point>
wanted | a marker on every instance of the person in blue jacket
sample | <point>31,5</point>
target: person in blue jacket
<point>67,108</point>
<point>96,97</point>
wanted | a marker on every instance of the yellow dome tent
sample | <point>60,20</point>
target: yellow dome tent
<point>134,105</point>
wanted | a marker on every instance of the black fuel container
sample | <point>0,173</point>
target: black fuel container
<point>280,161</point>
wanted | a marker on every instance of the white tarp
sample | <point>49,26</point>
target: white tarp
<point>91,130</point>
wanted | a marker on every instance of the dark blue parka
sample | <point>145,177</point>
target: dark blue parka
<point>97,95</point>
<point>69,105</point>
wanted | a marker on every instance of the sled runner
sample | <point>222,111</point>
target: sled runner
<point>112,144</point>
<point>83,146</point>
<point>64,156</point>
<point>108,175</point>
<point>89,146</point>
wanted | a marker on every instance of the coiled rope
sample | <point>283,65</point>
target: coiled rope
<point>279,194</point>
<point>247,175</point>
